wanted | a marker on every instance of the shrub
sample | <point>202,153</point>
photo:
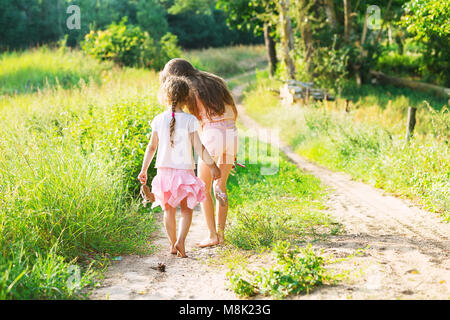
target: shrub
<point>128,45</point>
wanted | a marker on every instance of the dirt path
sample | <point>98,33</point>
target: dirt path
<point>408,257</point>
<point>192,278</point>
<point>409,253</point>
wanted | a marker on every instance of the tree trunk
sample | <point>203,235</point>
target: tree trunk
<point>399,41</point>
<point>357,67</point>
<point>331,13</point>
<point>347,20</point>
<point>308,44</point>
<point>286,37</point>
<point>270,47</point>
<point>415,85</point>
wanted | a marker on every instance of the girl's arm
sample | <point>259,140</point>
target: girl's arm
<point>204,154</point>
<point>148,157</point>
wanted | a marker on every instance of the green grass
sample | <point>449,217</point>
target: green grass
<point>384,97</point>
<point>73,133</point>
<point>246,78</point>
<point>269,215</point>
<point>368,143</point>
<point>227,62</point>
<point>69,158</point>
<point>285,205</point>
<point>407,65</point>
<point>40,68</point>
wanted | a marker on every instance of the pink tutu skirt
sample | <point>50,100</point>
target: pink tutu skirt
<point>171,186</point>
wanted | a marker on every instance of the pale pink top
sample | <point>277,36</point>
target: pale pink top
<point>227,115</point>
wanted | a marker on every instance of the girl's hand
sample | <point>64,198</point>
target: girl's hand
<point>215,172</point>
<point>142,177</point>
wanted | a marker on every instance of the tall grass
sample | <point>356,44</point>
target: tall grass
<point>265,209</point>
<point>35,69</point>
<point>368,142</point>
<point>227,62</point>
<point>68,162</point>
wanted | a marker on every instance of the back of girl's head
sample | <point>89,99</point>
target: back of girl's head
<point>177,67</point>
<point>210,89</point>
<point>174,90</point>
<point>213,92</point>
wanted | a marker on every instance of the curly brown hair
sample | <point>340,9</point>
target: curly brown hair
<point>212,90</point>
<point>174,90</point>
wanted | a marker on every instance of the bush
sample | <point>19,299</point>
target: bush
<point>128,45</point>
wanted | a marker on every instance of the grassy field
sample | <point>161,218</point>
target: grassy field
<point>266,208</point>
<point>22,72</point>
<point>368,142</point>
<point>72,144</point>
<point>227,62</point>
<point>275,215</point>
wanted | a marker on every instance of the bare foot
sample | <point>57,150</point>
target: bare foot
<point>208,242</point>
<point>173,250</point>
<point>221,237</point>
<point>180,248</point>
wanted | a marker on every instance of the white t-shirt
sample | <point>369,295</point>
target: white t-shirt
<point>180,156</point>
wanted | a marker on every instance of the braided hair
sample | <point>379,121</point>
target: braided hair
<point>175,90</point>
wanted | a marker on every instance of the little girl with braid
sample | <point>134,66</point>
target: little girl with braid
<point>174,135</point>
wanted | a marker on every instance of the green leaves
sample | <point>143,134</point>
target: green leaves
<point>129,45</point>
<point>295,271</point>
<point>429,22</point>
<point>197,6</point>
<point>427,19</point>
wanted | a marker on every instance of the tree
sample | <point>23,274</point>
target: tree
<point>286,37</point>
<point>429,22</point>
<point>257,16</point>
<point>151,16</point>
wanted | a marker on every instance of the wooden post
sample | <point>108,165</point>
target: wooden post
<point>347,107</point>
<point>411,122</point>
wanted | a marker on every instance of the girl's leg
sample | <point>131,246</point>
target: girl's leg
<point>208,206</point>
<point>222,210</point>
<point>185,224</point>
<point>171,226</point>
